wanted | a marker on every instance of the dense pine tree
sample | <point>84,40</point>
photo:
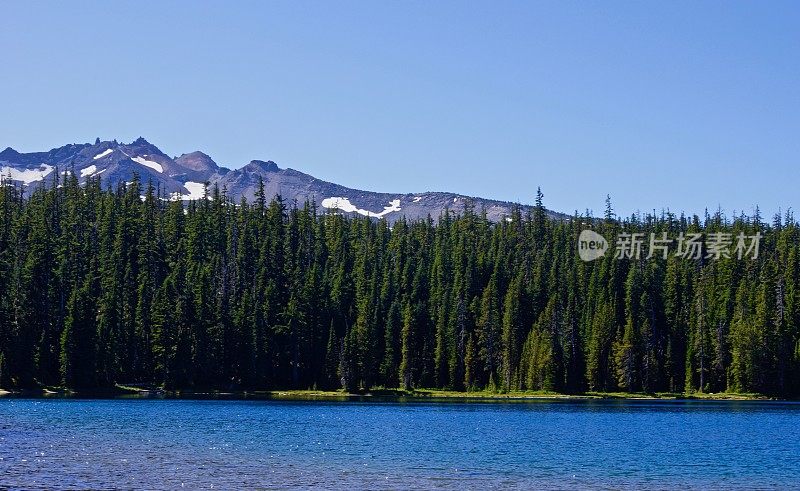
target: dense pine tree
<point>124,286</point>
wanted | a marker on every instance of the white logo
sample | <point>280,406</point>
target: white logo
<point>695,246</point>
<point>591,245</point>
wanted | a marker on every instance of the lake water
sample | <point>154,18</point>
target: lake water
<point>161,443</point>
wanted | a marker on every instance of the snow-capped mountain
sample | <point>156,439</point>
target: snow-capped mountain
<point>186,177</point>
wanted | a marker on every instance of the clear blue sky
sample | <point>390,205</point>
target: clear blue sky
<point>661,104</point>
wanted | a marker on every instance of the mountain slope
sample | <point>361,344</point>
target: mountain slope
<point>186,176</point>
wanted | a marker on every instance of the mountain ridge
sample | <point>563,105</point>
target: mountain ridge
<point>185,177</point>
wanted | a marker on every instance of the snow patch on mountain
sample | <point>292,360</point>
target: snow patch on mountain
<point>417,199</point>
<point>345,205</point>
<point>149,163</point>
<point>103,154</point>
<point>89,170</point>
<point>26,175</point>
<point>196,190</point>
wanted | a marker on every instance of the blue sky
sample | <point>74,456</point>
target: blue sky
<point>683,105</point>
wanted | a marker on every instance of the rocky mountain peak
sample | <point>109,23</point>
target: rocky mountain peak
<point>197,161</point>
<point>8,153</point>
<point>268,166</point>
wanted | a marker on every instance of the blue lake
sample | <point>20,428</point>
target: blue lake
<point>163,443</point>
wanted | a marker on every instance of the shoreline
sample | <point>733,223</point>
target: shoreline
<point>436,394</point>
<point>122,391</point>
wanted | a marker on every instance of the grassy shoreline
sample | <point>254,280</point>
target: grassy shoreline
<point>423,394</point>
<point>378,394</point>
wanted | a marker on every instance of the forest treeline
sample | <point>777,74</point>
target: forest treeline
<point>120,286</point>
